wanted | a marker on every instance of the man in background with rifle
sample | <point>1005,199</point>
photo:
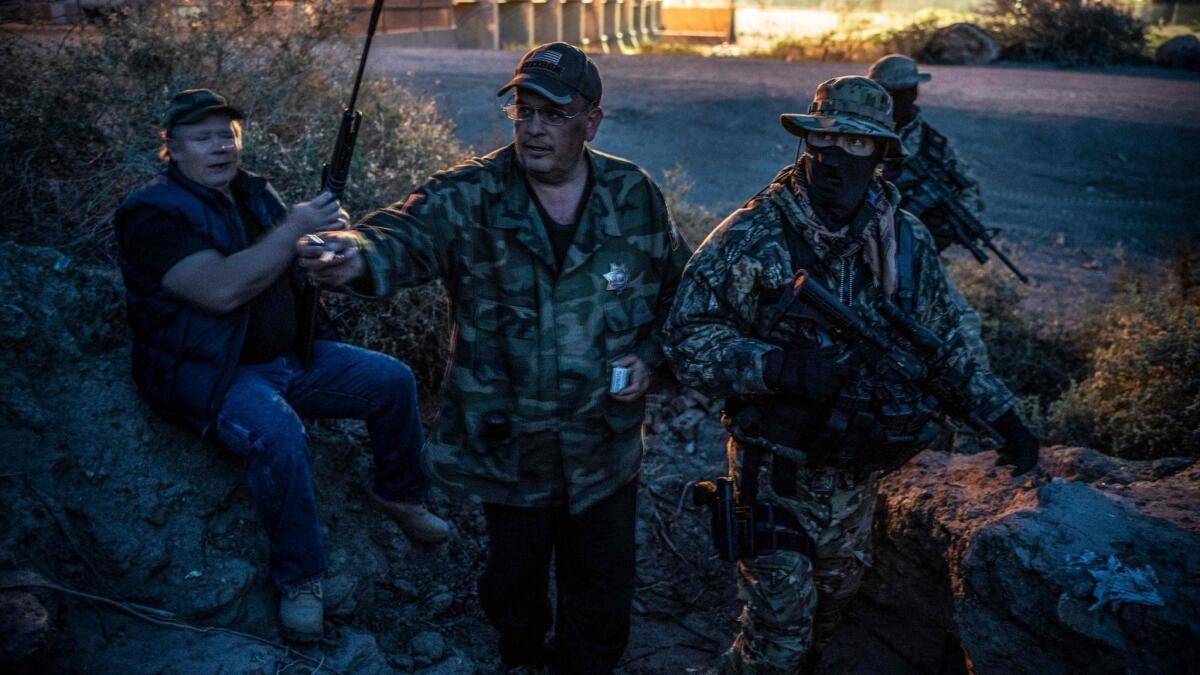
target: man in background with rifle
<point>822,314</point>
<point>934,184</point>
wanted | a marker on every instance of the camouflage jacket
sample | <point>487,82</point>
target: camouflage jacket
<point>530,342</point>
<point>911,137</point>
<point>717,331</point>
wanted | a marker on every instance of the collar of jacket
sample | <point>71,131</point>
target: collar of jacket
<point>788,192</point>
<point>245,185</point>
<point>912,129</point>
<point>519,213</point>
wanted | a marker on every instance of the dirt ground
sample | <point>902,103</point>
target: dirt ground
<point>1084,170</point>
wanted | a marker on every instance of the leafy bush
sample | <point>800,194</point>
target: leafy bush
<point>864,39</point>
<point>693,222</point>
<point>1142,397</point>
<point>1035,356</point>
<point>1067,32</point>
<point>79,129</point>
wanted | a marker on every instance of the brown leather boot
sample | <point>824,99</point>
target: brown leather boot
<point>302,613</point>
<point>416,520</point>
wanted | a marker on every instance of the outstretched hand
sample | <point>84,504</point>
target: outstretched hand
<point>331,258</point>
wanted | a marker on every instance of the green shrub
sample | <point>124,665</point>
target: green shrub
<point>865,39</point>
<point>79,129</point>
<point>1141,399</point>
<point>1035,356</point>
<point>693,222</point>
<point>1066,32</point>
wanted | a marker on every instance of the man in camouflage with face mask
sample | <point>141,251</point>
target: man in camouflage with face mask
<point>899,75</point>
<point>784,378</point>
<point>560,263</point>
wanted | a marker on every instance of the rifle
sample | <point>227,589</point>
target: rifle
<point>928,180</point>
<point>334,176</point>
<point>921,361</point>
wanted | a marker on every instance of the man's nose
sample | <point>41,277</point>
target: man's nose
<point>535,126</point>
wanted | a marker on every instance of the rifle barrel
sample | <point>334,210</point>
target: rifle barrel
<point>1004,259</point>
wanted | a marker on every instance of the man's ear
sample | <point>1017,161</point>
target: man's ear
<point>595,116</point>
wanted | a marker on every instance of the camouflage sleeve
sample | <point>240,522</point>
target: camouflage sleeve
<point>940,313</point>
<point>675,255</point>
<point>410,242</point>
<point>709,331</point>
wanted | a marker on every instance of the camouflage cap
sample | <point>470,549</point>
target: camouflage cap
<point>848,105</point>
<point>897,71</point>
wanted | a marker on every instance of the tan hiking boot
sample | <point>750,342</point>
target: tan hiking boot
<point>302,613</point>
<point>416,520</point>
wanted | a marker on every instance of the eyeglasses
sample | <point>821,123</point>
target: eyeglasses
<point>519,112</point>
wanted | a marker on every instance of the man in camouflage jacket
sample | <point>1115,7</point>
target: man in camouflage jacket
<point>831,215</point>
<point>560,263</point>
<point>900,76</point>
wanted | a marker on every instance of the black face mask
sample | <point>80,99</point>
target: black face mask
<point>837,182</point>
<point>904,106</point>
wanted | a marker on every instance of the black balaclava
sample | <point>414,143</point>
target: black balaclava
<point>904,105</point>
<point>837,182</point>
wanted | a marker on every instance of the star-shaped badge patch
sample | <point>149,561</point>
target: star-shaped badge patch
<point>617,277</point>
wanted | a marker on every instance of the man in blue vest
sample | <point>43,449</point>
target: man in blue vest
<point>207,251</point>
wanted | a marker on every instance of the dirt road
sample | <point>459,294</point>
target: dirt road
<point>1081,168</point>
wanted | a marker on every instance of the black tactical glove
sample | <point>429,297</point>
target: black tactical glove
<point>1020,445</point>
<point>815,374</point>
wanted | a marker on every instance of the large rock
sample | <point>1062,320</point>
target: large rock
<point>1090,568</point>
<point>1181,51</point>
<point>961,44</point>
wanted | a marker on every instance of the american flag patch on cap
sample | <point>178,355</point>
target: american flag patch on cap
<point>547,55</point>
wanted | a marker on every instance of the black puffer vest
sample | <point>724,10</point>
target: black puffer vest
<point>183,356</point>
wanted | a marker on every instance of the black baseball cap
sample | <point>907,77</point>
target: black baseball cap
<point>557,71</point>
<point>193,105</point>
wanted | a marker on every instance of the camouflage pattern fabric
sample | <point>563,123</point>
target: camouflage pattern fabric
<point>910,137</point>
<point>531,343</point>
<point>716,335</point>
<point>972,324</point>
<point>848,105</point>
<point>792,602</point>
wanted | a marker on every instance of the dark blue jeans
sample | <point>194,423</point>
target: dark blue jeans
<point>260,420</point>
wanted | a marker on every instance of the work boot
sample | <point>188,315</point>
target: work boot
<point>301,613</point>
<point>416,520</point>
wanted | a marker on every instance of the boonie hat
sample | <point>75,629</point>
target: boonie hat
<point>897,71</point>
<point>557,71</point>
<point>192,105</point>
<point>848,105</point>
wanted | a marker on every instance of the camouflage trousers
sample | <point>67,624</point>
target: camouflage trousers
<point>970,326</point>
<point>792,602</point>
